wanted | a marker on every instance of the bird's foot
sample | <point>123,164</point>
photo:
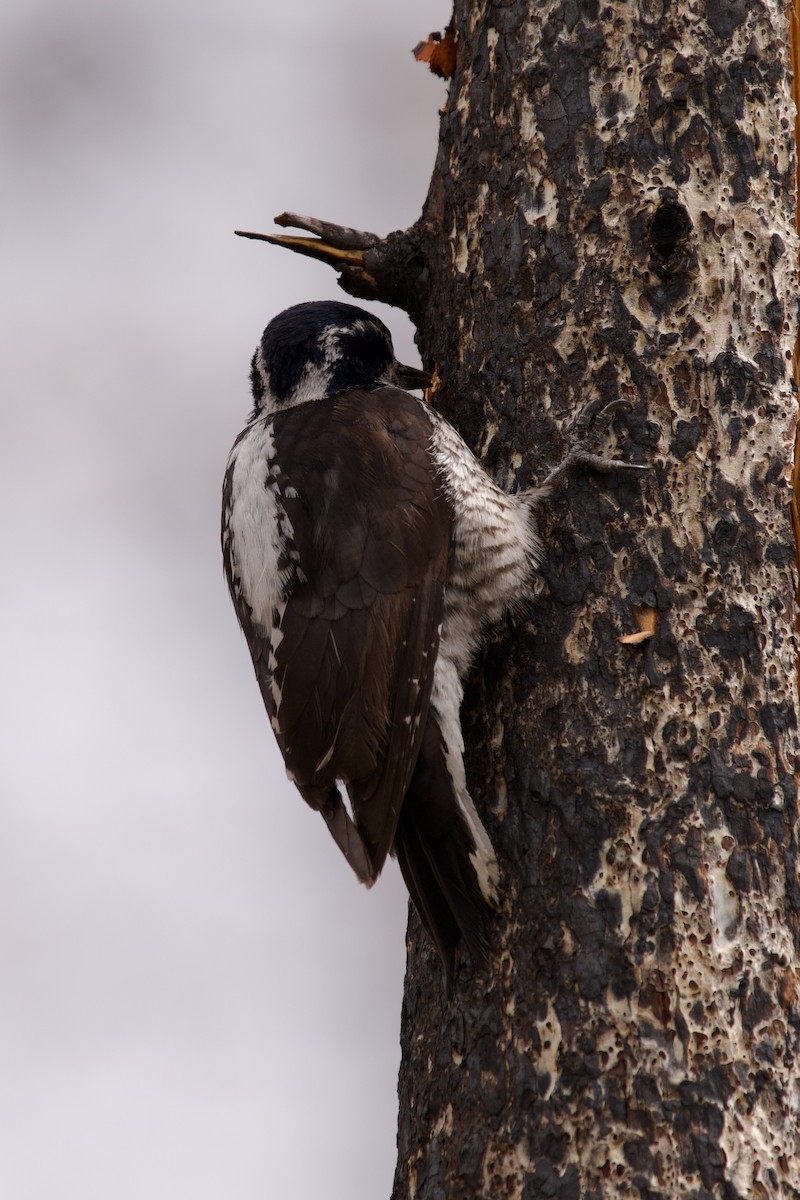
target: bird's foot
<point>585,431</point>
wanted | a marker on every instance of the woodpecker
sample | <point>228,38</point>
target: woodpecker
<point>367,552</point>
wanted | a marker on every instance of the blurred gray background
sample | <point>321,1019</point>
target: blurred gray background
<point>196,997</point>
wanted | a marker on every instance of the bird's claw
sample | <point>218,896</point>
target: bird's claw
<point>595,416</point>
<point>585,430</point>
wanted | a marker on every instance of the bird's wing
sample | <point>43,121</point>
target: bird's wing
<point>348,673</point>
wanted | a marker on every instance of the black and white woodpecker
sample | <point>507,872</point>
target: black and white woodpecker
<point>367,551</point>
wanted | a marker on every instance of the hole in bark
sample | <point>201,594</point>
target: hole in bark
<point>669,231</point>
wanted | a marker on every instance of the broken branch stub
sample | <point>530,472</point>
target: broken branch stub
<point>391,269</point>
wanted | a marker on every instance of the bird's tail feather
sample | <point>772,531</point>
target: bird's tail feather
<point>437,855</point>
<point>427,896</point>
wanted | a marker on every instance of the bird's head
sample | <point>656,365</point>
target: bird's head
<point>316,350</point>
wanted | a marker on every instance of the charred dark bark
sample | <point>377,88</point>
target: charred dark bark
<point>612,214</point>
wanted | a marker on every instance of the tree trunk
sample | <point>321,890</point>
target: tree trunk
<point>612,214</point>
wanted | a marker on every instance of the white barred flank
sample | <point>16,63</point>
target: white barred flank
<point>496,548</point>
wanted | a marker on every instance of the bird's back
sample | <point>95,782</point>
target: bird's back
<point>342,505</point>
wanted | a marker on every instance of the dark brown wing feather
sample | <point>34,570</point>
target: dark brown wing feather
<point>358,639</point>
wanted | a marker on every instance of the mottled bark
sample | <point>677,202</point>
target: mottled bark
<point>612,213</point>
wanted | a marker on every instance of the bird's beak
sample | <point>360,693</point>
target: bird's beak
<point>411,377</point>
